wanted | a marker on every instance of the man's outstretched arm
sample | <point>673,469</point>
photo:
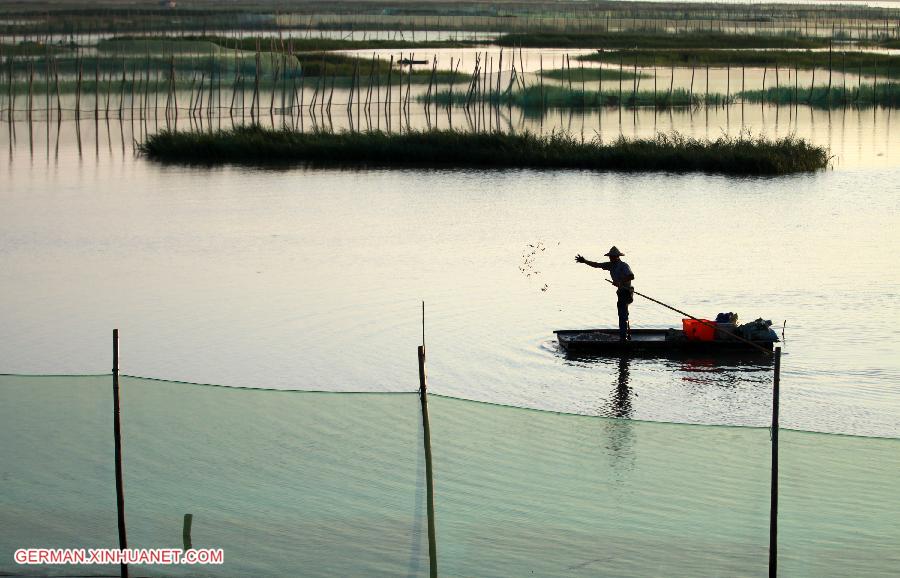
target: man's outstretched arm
<point>580,259</point>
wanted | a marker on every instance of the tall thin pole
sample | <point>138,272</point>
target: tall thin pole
<point>429,472</point>
<point>117,433</point>
<point>773,512</point>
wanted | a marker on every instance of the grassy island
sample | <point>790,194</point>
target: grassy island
<point>656,40</point>
<point>454,149</point>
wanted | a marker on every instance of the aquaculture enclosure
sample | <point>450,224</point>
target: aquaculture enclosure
<point>334,483</point>
<point>263,198</point>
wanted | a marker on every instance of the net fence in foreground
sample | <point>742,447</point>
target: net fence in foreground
<point>333,484</point>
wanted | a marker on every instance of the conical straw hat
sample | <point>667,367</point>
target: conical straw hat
<point>614,252</point>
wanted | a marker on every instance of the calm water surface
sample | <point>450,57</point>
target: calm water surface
<point>313,279</point>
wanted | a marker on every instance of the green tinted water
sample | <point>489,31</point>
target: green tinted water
<point>325,484</point>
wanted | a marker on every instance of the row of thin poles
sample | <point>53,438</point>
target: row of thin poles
<point>115,93</point>
<point>599,21</point>
<point>482,89</point>
<point>473,119</point>
<point>291,89</point>
<point>842,23</point>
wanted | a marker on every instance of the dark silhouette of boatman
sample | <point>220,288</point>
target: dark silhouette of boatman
<point>621,277</point>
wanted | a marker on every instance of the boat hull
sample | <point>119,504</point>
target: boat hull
<point>649,342</point>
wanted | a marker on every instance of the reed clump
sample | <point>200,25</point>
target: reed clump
<point>886,95</point>
<point>535,97</point>
<point>160,44</point>
<point>740,155</point>
<point>327,44</point>
<point>657,39</point>
<point>591,74</point>
<point>252,43</point>
<point>31,48</point>
<point>854,62</point>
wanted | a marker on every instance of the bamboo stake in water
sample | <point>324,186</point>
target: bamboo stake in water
<point>812,84</point>
<point>844,77</point>
<point>671,86</point>
<point>828,93</point>
<point>431,81</point>
<point>302,88</point>
<point>186,531</point>
<point>274,64</point>
<point>312,101</point>
<point>117,441</point>
<point>706,96</point>
<point>191,103</point>
<point>352,86</point>
<point>80,65</point>
<point>583,90</point>
<point>58,98</point>
<point>744,83</point>
<point>599,81</point>
<point>47,83</point>
<point>621,65</point>
<point>387,96</point>
<point>777,84</point>
<point>875,79</point>
<point>109,77</point>
<point>499,74</point>
<point>542,80</point>
<point>691,92</point>
<point>29,102</point>
<point>409,79</point>
<point>322,79</point>
<point>11,93</point>
<point>762,101</point>
<point>728,80</point>
<point>429,469</point>
<point>283,69</point>
<point>773,492</point>
<point>122,95</point>
<point>254,103</point>
<point>132,89</point>
<point>96,87</point>
<point>145,102</point>
<point>358,88</point>
<point>331,94</point>
<point>175,93</point>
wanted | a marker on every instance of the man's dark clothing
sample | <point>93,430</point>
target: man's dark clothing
<point>620,273</point>
<point>625,297</point>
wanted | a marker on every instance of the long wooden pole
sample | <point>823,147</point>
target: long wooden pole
<point>701,321</point>
<point>117,435</point>
<point>773,511</point>
<point>429,471</point>
<point>186,531</point>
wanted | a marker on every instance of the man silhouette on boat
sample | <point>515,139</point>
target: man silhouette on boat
<point>621,277</point>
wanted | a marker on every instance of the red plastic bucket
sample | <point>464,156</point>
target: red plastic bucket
<point>697,331</point>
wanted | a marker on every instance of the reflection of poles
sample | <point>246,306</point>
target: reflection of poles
<point>773,512</point>
<point>429,473</point>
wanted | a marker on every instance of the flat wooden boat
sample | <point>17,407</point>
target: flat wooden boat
<point>649,341</point>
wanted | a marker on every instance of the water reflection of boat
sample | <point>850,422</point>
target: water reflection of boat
<point>653,342</point>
